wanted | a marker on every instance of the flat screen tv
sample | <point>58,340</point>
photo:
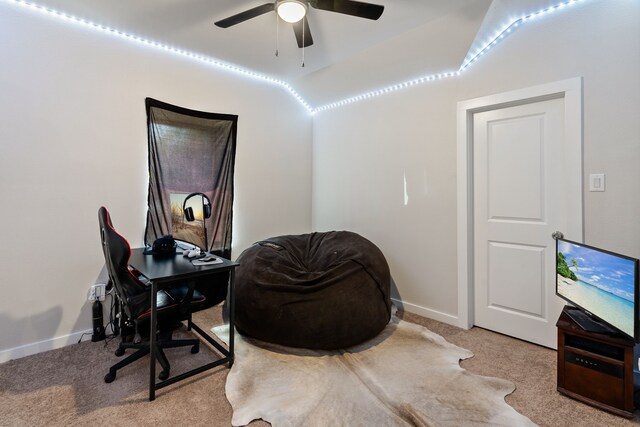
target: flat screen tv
<point>603,285</point>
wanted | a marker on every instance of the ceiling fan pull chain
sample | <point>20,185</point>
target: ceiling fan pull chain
<point>277,32</point>
<point>303,22</point>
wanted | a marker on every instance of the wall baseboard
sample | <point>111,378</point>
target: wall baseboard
<point>65,340</point>
<point>41,346</point>
<point>426,312</point>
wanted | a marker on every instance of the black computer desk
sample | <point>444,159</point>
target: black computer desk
<point>163,271</point>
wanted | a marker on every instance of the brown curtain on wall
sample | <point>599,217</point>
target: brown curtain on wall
<point>190,151</point>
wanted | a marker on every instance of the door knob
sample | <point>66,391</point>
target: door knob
<point>557,235</point>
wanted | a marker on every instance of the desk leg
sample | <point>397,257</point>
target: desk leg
<point>232,311</point>
<point>153,341</point>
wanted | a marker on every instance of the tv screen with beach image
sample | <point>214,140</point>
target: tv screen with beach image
<point>600,282</point>
<point>181,229</point>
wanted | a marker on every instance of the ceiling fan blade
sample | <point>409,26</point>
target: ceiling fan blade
<point>349,7</point>
<point>297,29</point>
<point>247,14</point>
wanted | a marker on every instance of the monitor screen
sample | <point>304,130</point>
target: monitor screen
<point>603,283</point>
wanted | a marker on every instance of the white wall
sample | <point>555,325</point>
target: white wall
<point>363,153</point>
<point>73,138</point>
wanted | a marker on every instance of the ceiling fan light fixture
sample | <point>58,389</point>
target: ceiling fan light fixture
<point>291,11</point>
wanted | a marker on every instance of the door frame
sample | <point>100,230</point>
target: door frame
<point>571,91</point>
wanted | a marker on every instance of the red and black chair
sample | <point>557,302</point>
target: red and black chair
<point>174,304</point>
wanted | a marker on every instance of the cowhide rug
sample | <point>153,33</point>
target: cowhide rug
<point>406,376</point>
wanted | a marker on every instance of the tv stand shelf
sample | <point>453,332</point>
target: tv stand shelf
<point>595,368</point>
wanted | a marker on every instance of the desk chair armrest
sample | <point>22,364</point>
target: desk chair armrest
<point>141,277</point>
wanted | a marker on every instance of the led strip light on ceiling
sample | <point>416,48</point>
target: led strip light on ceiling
<point>500,35</point>
<point>156,45</point>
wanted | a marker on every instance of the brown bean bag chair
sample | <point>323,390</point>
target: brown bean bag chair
<point>319,290</point>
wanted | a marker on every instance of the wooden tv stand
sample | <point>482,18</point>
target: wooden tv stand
<point>595,368</point>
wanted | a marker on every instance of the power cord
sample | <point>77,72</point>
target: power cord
<point>83,334</point>
<point>112,317</point>
<point>111,322</point>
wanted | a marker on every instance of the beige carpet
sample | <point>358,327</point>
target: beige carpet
<point>406,376</point>
<point>65,388</point>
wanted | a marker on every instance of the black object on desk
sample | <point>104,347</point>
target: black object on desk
<point>163,271</point>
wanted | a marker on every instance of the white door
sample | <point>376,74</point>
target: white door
<point>519,201</point>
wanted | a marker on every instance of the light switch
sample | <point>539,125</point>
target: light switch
<point>596,182</point>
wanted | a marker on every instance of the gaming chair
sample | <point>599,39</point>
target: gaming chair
<point>174,304</point>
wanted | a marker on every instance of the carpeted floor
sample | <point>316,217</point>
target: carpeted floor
<point>65,387</point>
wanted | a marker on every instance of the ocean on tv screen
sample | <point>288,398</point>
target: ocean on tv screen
<point>599,282</point>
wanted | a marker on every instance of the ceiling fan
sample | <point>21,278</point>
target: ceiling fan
<point>294,12</point>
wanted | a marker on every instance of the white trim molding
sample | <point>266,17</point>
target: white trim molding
<point>40,346</point>
<point>426,312</point>
<point>571,91</point>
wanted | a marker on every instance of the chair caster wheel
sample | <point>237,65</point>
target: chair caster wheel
<point>195,349</point>
<point>119,352</point>
<point>109,377</point>
<point>163,375</point>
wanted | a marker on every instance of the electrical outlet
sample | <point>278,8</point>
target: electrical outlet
<point>91,296</point>
<point>100,289</point>
<point>97,292</point>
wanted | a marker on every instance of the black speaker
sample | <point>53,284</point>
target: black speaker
<point>206,207</point>
<point>98,323</point>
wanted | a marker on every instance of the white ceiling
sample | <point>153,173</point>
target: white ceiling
<point>350,55</point>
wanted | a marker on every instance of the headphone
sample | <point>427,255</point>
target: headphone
<point>188,211</point>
